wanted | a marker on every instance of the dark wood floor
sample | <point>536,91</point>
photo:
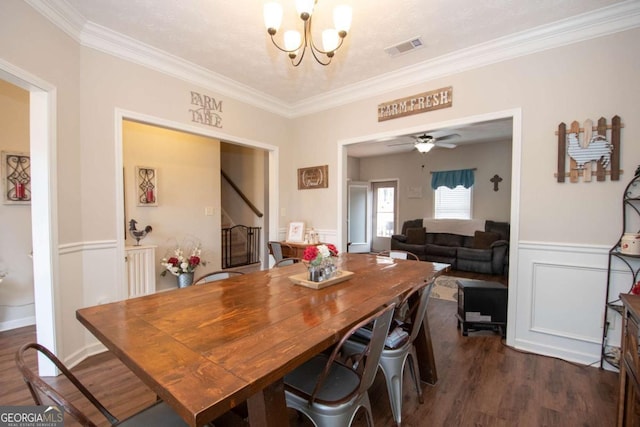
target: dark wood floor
<point>482,382</point>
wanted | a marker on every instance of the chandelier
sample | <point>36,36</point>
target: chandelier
<point>295,44</point>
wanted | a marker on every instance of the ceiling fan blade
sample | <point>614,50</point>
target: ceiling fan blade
<point>444,138</point>
<point>400,143</point>
<point>445,145</point>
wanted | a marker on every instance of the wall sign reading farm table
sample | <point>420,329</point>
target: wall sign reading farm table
<point>421,103</point>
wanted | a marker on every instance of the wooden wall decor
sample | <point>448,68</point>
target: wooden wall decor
<point>313,177</point>
<point>585,146</point>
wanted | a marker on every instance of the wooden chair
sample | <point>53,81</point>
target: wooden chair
<point>329,391</point>
<point>158,414</point>
<point>398,254</point>
<point>287,261</point>
<point>216,275</point>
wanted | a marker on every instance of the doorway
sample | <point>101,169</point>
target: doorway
<point>358,222</point>
<point>384,215</point>
<point>42,148</point>
<point>514,116</point>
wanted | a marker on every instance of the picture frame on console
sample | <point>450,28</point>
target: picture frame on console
<point>296,232</point>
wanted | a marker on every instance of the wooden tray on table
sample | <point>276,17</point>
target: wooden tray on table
<point>301,279</point>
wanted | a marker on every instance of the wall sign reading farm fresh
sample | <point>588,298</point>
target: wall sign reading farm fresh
<point>208,110</point>
<point>421,103</point>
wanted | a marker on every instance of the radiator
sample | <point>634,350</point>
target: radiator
<point>141,270</point>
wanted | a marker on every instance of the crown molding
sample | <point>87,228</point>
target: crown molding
<point>608,20</point>
<point>105,40</point>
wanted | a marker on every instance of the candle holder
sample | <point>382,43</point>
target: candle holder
<point>146,186</point>
<point>16,174</point>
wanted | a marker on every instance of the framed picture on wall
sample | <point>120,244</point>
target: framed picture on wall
<point>313,177</point>
<point>146,186</point>
<point>296,232</point>
<point>16,178</point>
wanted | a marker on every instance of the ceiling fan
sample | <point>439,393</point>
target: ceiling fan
<point>424,143</point>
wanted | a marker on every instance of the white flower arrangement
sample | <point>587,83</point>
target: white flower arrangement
<point>179,263</point>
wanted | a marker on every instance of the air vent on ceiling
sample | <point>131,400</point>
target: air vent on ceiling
<point>405,47</point>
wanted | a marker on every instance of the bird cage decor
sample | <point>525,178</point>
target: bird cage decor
<point>591,150</point>
<point>146,186</point>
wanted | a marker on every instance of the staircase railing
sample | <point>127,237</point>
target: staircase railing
<point>241,194</point>
<point>240,246</point>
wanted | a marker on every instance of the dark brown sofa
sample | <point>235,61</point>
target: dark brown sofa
<point>486,251</point>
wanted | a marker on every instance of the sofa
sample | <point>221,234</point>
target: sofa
<point>479,246</point>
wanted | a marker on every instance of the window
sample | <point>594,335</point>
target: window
<point>452,203</point>
<point>385,205</point>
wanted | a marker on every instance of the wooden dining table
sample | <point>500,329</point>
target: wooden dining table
<point>205,349</point>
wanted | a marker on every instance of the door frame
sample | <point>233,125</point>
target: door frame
<point>272,172</point>
<point>44,218</point>
<point>367,243</point>
<point>515,114</point>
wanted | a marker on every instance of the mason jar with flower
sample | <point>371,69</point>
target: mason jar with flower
<point>319,261</point>
<point>183,266</point>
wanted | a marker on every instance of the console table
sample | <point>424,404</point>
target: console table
<point>295,250</point>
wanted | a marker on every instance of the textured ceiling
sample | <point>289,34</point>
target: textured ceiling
<point>228,36</point>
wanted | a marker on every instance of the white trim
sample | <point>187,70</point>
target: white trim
<point>44,221</point>
<point>18,323</point>
<point>601,22</point>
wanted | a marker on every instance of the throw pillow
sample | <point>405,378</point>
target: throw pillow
<point>416,236</point>
<point>484,239</point>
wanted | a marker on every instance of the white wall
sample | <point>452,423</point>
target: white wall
<point>413,170</point>
<point>16,289</point>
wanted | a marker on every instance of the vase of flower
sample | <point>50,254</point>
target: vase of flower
<point>319,260</point>
<point>181,265</point>
<point>185,279</point>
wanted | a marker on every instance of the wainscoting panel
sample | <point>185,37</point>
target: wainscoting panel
<point>560,300</point>
<point>90,274</point>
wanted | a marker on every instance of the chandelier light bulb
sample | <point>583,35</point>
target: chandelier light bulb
<point>330,40</point>
<point>305,8</point>
<point>272,16</point>
<point>292,40</point>
<point>342,19</point>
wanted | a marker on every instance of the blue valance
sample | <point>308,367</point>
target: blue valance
<point>452,179</point>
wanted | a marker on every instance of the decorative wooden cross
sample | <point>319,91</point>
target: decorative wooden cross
<point>496,179</point>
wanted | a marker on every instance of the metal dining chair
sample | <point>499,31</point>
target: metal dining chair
<point>330,391</point>
<point>275,249</point>
<point>393,359</point>
<point>157,414</point>
<point>399,254</point>
<point>216,275</point>
<point>287,261</point>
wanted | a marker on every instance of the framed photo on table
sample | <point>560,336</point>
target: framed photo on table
<point>296,232</point>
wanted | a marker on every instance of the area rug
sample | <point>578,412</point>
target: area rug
<point>445,288</point>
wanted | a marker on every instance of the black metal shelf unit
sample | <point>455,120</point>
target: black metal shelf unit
<point>630,211</point>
